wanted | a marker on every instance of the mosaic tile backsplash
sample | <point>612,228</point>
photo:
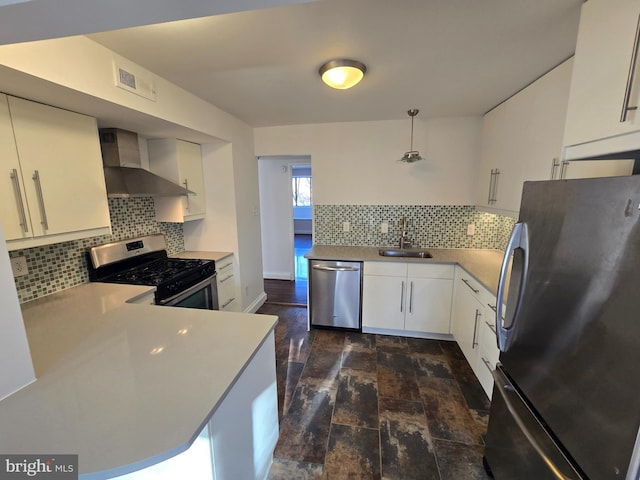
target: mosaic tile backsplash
<point>435,226</point>
<point>63,265</point>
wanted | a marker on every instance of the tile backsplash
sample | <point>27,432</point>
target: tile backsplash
<point>63,265</point>
<point>435,226</point>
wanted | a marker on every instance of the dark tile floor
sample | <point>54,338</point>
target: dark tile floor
<point>358,406</point>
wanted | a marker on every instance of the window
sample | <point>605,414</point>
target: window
<point>301,186</point>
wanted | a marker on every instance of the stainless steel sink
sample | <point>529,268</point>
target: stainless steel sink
<point>405,252</point>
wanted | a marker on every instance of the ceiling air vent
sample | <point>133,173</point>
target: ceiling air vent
<point>134,82</point>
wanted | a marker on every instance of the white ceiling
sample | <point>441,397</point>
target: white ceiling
<point>445,57</point>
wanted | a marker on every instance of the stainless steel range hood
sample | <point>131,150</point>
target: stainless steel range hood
<point>123,172</point>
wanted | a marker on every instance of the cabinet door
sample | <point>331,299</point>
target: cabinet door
<point>191,177</point>
<point>61,162</point>
<point>467,313</point>
<point>14,212</point>
<point>226,285</point>
<point>383,302</point>
<point>596,168</point>
<point>488,354</point>
<point>604,53</point>
<point>428,307</point>
<point>181,163</point>
<point>521,138</point>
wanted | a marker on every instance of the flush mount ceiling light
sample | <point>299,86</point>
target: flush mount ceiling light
<point>342,73</point>
<point>412,155</point>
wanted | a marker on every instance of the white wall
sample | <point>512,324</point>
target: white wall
<point>16,369</point>
<point>276,217</point>
<point>232,221</point>
<point>357,162</point>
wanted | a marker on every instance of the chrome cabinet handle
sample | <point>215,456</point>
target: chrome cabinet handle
<point>563,169</point>
<point>226,304</point>
<point>475,329</point>
<point>43,211</point>
<point>186,185</point>
<point>487,364</point>
<point>18,193</point>
<point>402,297</point>
<point>491,326</point>
<point>632,71</point>
<point>335,269</point>
<point>493,186</point>
<point>226,278</point>
<point>411,298</point>
<point>490,187</point>
<point>469,285</point>
<point>554,166</point>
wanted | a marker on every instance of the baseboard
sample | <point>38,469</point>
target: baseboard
<point>277,275</point>
<point>256,304</point>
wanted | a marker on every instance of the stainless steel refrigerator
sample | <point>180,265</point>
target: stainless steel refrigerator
<point>566,400</point>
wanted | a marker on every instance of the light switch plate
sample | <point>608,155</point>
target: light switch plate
<point>384,228</point>
<point>19,267</point>
<point>346,226</point>
<point>471,229</point>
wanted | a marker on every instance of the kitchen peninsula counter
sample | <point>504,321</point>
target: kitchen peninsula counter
<point>126,385</point>
<point>484,265</point>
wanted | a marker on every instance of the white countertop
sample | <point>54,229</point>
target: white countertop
<point>484,265</point>
<point>123,385</point>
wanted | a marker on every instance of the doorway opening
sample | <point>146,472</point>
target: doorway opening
<point>286,226</point>
<point>302,218</point>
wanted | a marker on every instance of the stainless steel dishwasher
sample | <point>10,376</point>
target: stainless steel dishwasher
<point>336,291</point>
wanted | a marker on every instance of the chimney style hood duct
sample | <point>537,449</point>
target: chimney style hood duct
<point>123,172</point>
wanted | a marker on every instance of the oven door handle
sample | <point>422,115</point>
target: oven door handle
<point>188,291</point>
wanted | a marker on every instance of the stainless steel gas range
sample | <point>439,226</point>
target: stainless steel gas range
<point>179,282</point>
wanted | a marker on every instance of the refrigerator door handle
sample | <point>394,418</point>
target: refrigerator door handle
<point>519,240</point>
<point>504,390</point>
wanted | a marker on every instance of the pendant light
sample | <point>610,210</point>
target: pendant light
<point>342,73</point>
<point>412,155</point>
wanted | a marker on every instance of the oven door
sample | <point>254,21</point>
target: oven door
<point>203,295</point>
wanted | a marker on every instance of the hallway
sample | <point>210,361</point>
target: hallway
<point>287,292</point>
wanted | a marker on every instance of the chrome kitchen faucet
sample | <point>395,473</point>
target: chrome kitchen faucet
<point>404,240</point>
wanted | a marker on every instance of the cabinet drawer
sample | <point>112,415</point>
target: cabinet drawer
<point>225,265</point>
<point>465,280</point>
<point>488,354</point>
<point>388,269</point>
<point>422,270</point>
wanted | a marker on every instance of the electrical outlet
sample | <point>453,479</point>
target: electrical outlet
<point>346,226</point>
<point>19,267</point>
<point>471,229</point>
<point>384,228</point>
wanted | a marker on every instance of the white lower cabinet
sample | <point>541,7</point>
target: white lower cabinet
<point>226,283</point>
<point>407,298</point>
<point>473,326</point>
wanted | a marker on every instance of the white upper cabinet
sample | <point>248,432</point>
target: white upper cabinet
<point>180,162</point>
<point>602,87</point>
<point>13,203</point>
<point>53,180</point>
<point>522,140</point>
